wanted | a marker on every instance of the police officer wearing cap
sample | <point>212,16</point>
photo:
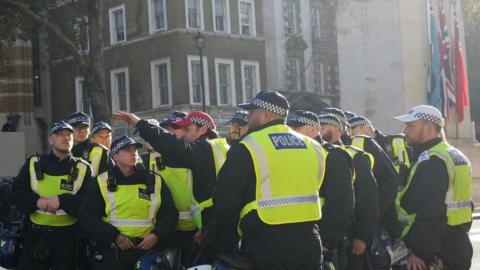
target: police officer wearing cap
<point>200,150</point>
<point>336,193</point>
<point>386,175</point>
<point>49,189</point>
<point>179,181</point>
<point>237,126</point>
<point>393,145</point>
<point>98,152</point>
<point>366,216</point>
<point>434,203</point>
<point>128,210</point>
<point>343,119</point>
<point>269,184</point>
<point>80,122</point>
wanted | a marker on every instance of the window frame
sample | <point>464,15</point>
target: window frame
<point>233,99</point>
<point>155,82</point>
<point>256,64</point>
<point>253,23</point>
<point>322,82</point>
<point>79,95</point>
<point>298,83</point>
<point>228,28</point>
<point>152,19</point>
<point>113,32</point>
<point>316,22</point>
<point>295,26</point>
<point>114,90</point>
<point>77,36</point>
<point>202,23</point>
<point>190,59</point>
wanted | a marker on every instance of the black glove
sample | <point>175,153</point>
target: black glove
<point>40,250</point>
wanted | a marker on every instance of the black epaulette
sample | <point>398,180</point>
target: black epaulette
<point>328,146</point>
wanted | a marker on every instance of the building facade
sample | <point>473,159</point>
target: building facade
<point>301,47</point>
<point>152,64</point>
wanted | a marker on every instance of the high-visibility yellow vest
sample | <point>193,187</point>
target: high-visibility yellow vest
<point>354,151</point>
<point>52,185</point>
<point>289,169</point>
<point>397,151</point>
<point>179,182</point>
<point>219,149</point>
<point>351,153</point>
<point>458,198</point>
<point>95,157</point>
<point>130,208</point>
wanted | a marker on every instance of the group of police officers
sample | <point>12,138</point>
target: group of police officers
<point>284,190</point>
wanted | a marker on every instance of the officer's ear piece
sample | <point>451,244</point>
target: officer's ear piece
<point>38,170</point>
<point>111,184</point>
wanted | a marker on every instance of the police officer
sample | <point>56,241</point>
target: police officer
<point>48,189</point>
<point>345,138</point>
<point>129,211</point>
<point>385,174</point>
<point>98,152</point>
<point>200,150</point>
<point>269,183</point>
<point>336,192</point>
<point>80,122</point>
<point>366,217</point>
<point>434,204</point>
<point>393,145</point>
<point>179,181</point>
<point>237,126</point>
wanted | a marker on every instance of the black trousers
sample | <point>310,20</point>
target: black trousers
<point>184,241</point>
<point>456,251</point>
<point>61,245</point>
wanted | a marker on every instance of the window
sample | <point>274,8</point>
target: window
<point>247,17</point>
<point>293,74</point>
<point>221,15</point>
<point>194,12</point>
<point>161,83</point>
<point>291,18</point>
<point>250,79</point>
<point>316,30</point>
<point>318,77</point>
<point>81,34</point>
<point>195,81</point>
<point>120,89</point>
<point>225,79</point>
<point>157,15</point>
<point>118,28</point>
<point>82,98</point>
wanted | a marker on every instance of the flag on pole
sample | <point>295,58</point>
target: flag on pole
<point>449,99</point>
<point>461,77</point>
<point>435,91</point>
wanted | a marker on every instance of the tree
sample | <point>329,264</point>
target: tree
<point>19,16</point>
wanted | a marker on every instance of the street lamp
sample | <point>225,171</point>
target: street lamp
<point>200,44</point>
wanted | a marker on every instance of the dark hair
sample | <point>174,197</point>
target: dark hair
<point>210,134</point>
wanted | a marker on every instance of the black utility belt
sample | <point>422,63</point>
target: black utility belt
<point>46,228</point>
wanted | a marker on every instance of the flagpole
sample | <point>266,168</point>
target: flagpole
<point>454,64</point>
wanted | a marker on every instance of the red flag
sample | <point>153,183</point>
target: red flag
<point>461,76</point>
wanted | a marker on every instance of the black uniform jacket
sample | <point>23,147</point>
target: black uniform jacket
<point>93,209</point>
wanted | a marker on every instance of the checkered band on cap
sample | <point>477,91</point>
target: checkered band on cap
<point>358,121</point>
<point>430,117</point>
<point>308,121</point>
<point>331,120</point>
<point>270,107</point>
<point>203,122</point>
<point>78,119</point>
<point>57,126</point>
<point>101,125</point>
<point>121,143</point>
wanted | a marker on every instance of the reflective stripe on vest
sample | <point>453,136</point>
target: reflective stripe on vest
<point>52,186</point>
<point>281,155</point>
<point>125,209</point>
<point>458,197</point>
<point>179,182</point>
<point>400,151</point>
<point>94,158</point>
<point>219,150</point>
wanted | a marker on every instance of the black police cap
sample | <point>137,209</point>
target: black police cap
<point>303,118</point>
<point>271,101</point>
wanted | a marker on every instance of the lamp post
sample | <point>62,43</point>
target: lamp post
<point>200,44</point>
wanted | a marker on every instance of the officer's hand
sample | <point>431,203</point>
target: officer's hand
<point>358,247</point>
<point>42,204</point>
<point>123,242</point>
<point>149,240</point>
<point>53,204</point>
<point>130,118</point>
<point>415,263</point>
